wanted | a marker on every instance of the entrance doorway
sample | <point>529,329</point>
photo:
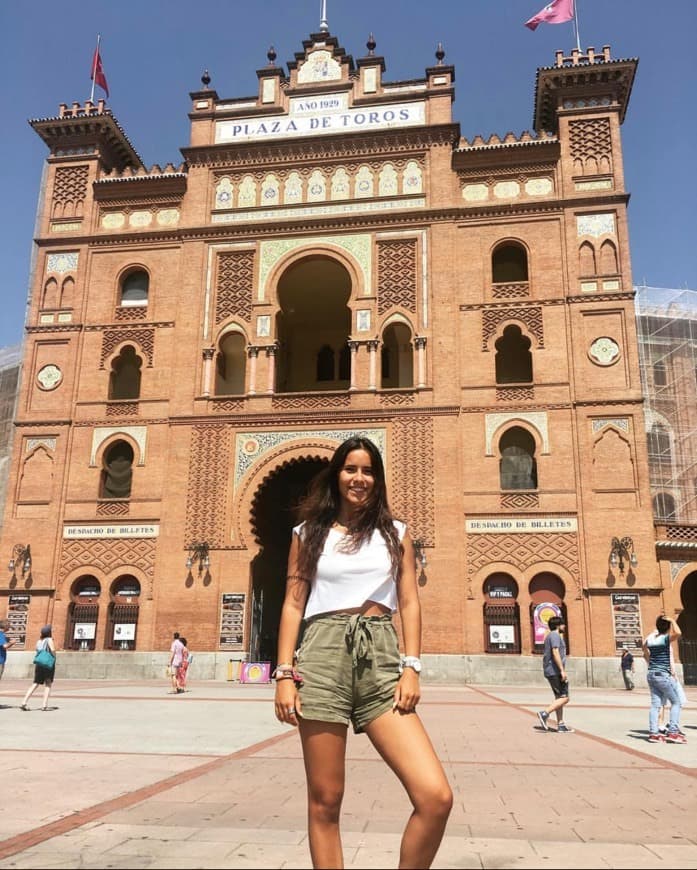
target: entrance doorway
<point>273,518</point>
<point>687,621</point>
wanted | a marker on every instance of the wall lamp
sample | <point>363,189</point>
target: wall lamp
<point>621,549</point>
<point>419,545</point>
<point>22,554</point>
<point>198,552</point>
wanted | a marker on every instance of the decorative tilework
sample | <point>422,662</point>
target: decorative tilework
<point>101,433</point>
<point>316,210</point>
<point>48,443</point>
<point>251,446</point>
<point>595,224</point>
<point>64,262</point>
<point>675,569</point>
<point>618,422</point>
<point>358,246</point>
<point>537,419</point>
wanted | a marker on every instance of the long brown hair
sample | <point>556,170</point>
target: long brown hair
<point>320,509</point>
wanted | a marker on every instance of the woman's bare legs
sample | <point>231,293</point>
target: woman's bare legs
<point>324,753</point>
<point>47,692</point>
<point>30,692</point>
<point>404,744</point>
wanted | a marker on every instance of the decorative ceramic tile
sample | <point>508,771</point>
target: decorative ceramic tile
<point>101,433</point>
<point>617,422</point>
<point>64,262</point>
<point>250,447</point>
<point>604,351</point>
<point>537,419</point>
<point>595,224</point>
<point>358,246</point>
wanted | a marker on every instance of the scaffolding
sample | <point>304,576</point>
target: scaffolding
<point>667,334</point>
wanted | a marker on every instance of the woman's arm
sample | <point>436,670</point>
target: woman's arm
<point>408,691</point>
<point>297,590</point>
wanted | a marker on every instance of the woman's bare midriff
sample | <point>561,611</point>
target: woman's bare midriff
<point>368,608</point>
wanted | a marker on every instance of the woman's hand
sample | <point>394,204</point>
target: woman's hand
<point>408,692</point>
<point>287,702</point>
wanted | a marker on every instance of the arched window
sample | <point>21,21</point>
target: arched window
<point>664,506</point>
<point>117,473</point>
<point>397,356</point>
<point>509,263</point>
<point>231,363</point>
<point>134,288</point>
<point>124,381</point>
<point>325,363</point>
<point>660,375</point>
<point>513,357</point>
<point>517,466</point>
<point>659,443</point>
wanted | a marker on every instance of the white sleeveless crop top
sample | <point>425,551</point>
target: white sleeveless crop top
<point>347,580</point>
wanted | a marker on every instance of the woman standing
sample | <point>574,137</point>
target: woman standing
<point>43,673</point>
<point>350,566</point>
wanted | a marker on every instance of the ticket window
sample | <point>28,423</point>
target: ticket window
<point>83,614</point>
<point>501,615</point>
<point>502,628</point>
<point>122,617</point>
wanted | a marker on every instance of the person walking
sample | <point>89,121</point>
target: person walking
<point>627,668</point>
<point>5,644</point>
<point>175,660</point>
<point>44,674</point>
<point>183,669</point>
<point>350,566</point>
<point>554,669</point>
<point>662,684</point>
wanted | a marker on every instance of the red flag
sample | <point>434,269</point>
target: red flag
<point>98,72</point>
<point>556,12</point>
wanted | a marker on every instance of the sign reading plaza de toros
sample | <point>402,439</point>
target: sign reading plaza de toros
<point>330,114</point>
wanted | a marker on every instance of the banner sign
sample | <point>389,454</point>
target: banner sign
<point>232,615</point>
<point>626,619</point>
<point>325,115</point>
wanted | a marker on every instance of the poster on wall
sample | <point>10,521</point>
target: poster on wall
<point>232,613</point>
<point>17,613</point>
<point>626,620</point>
<point>502,634</point>
<point>85,630</point>
<point>125,631</point>
<point>541,616</point>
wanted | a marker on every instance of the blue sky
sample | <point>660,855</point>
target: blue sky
<point>154,54</point>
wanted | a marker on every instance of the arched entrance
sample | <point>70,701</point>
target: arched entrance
<point>273,518</point>
<point>687,621</point>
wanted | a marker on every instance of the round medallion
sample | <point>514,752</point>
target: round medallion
<point>49,377</point>
<point>604,351</point>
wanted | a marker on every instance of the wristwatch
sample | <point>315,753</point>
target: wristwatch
<point>410,662</point>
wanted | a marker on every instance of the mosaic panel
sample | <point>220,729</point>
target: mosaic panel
<point>358,246</point>
<point>250,447</point>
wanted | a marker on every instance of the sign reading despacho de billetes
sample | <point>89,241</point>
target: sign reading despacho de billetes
<point>520,525</point>
<point>112,530</point>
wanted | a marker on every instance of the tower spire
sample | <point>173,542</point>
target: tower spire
<point>323,25</point>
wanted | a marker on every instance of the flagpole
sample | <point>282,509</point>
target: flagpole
<point>94,67</point>
<point>578,37</point>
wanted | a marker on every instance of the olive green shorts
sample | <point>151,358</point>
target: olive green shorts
<point>349,664</point>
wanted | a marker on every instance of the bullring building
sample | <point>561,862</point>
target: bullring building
<point>334,257</point>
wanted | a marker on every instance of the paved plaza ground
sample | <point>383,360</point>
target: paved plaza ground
<point>123,775</point>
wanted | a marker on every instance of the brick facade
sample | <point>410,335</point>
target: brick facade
<point>334,257</point>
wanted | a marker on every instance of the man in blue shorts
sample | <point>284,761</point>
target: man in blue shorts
<point>554,668</point>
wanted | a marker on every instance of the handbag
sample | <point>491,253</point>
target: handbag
<point>45,658</point>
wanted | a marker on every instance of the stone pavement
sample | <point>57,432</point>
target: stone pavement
<point>122,775</point>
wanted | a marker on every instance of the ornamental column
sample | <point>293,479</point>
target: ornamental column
<point>252,354</point>
<point>420,343</point>
<point>353,347</point>
<point>373,346</point>
<point>271,352</point>
<point>208,353</point>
